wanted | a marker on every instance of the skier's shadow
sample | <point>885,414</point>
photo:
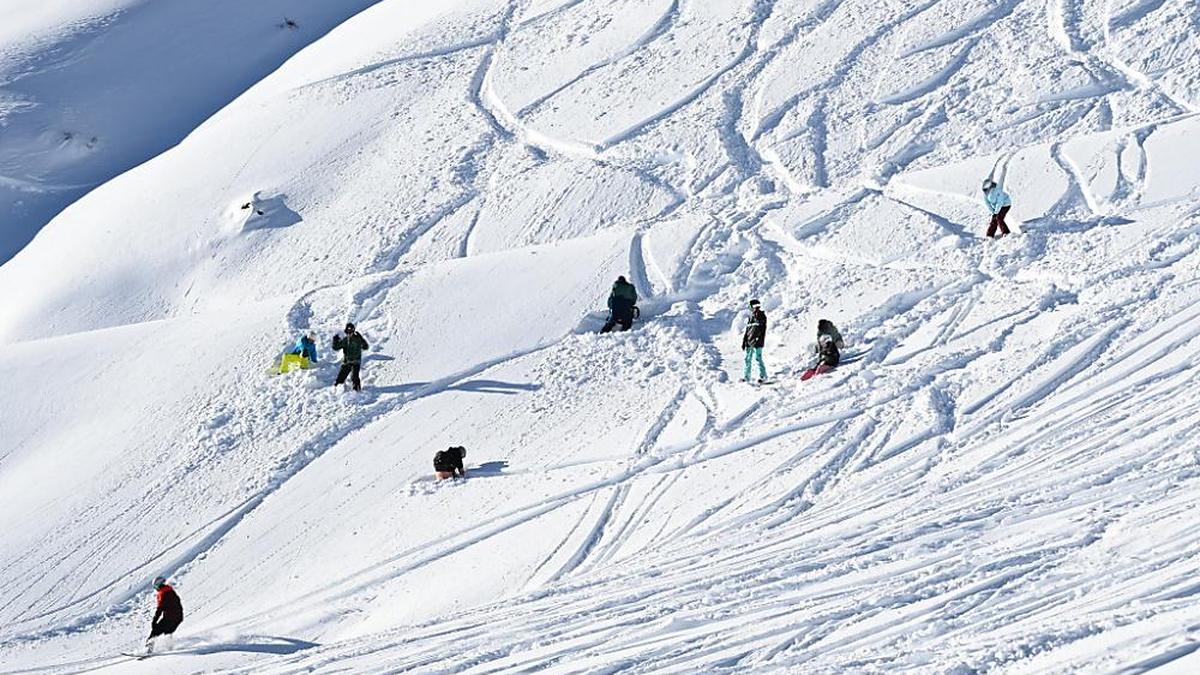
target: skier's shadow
<point>488,469</point>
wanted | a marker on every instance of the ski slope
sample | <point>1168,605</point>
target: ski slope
<point>1001,476</point>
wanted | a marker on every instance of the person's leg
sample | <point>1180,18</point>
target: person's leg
<point>1000,220</point>
<point>626,322</point>
<point>749,356</point>
<point>608,325</point>
<point>991,231</point>
<point>354,377</point>
<point>341,376</point>
<point>762,369</point>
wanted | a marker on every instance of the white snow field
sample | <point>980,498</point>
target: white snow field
<point>90,88</point>
<point>1002,476</point>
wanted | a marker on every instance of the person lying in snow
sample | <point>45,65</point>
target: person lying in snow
<point>622,304</point>
<point>448,463</point>
<point>998,202</point>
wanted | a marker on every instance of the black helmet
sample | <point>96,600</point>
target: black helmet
<point>621,280</point>
<point>349,326</point>
<point>755,303</point>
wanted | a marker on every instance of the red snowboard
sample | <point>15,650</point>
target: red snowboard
<point>819,370</point>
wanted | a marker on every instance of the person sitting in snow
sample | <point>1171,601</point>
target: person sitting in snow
<point>826,327</point>
<point>306,346</point>
<point>351,346</point>
<point>168,613</point>
<point>622,303</point>
<point>828,354</point>
<point>998,202</point>
<point>302,354</point>
<point>448,463</point>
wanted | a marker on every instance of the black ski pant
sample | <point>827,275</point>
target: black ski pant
<point>350,369</point>
<point>620,313</point>
<point>164,627</point>
<point>998,222</point>
<point>626,322</point>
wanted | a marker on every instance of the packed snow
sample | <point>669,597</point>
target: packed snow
<point>1001,476</point>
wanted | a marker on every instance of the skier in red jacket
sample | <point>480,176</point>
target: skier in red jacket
<point>168,614</point>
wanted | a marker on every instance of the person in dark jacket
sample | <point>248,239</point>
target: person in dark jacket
<point>622,303</point>
<point>828,354</point>
<point>826,327</point>
<point>753,340</point>
<point>351,346</point>
<point>448,463</point>
<point>168,613</point>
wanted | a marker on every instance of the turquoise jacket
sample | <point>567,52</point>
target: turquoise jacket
<point>996,199</point>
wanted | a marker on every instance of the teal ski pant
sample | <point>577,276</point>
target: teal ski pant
<point>754,354</point>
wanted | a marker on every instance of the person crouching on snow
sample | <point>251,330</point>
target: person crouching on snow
<point>448,463</point>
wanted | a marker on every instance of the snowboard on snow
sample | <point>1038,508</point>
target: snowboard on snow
<point>817,370</point>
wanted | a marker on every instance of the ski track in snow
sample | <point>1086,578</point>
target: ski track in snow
<point>976,488</point>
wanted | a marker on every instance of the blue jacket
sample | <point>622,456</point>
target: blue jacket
<point>996,199</point>
<point>306,348</point>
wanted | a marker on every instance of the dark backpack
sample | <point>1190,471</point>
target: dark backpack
<point>442,459</point>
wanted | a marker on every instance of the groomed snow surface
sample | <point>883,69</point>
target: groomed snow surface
<point>1002,477</point>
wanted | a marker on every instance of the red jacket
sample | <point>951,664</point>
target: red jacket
<point>169,608</point>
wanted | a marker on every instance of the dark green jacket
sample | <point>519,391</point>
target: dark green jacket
<point>623,295</point>
<point>351,347</point>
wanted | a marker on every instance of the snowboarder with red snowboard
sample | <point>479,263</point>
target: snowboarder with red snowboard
<point>829,346</point>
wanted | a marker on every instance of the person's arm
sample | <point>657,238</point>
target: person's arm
<point>363,340</point>
<point>337,342</point>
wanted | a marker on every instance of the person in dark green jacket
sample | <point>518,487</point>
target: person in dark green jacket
<point>622,303</point>
<point>351,346</point>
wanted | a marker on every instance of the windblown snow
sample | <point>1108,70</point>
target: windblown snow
<point>1002,476</point>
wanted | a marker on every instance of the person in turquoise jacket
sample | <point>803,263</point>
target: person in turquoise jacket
<point>306,346</point>
<point>998,202</point>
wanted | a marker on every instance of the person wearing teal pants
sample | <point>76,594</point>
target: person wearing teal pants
<point>753,340</point>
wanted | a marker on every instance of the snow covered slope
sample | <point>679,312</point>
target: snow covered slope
<point>91,88</point>
<point>1001,476</point>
